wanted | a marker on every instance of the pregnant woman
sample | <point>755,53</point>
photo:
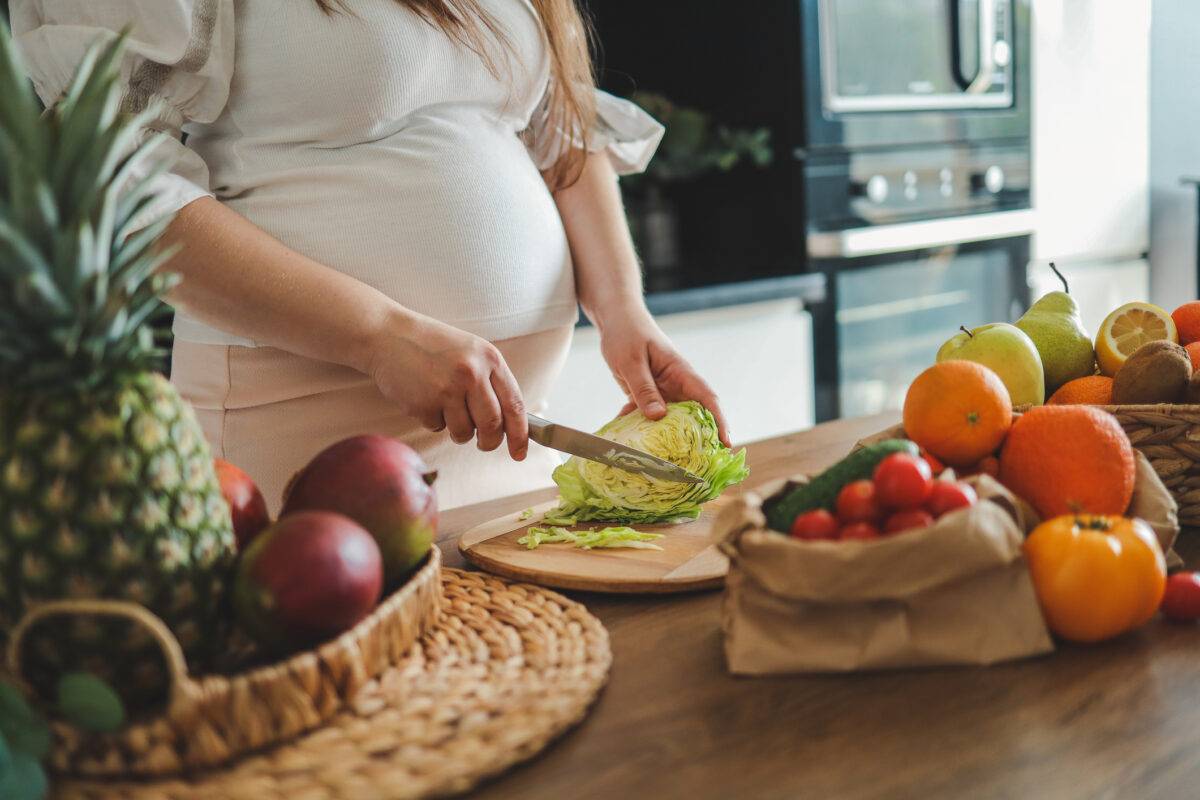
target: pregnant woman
<point>389,213</point>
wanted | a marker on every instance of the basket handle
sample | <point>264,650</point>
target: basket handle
<point>182,690</point>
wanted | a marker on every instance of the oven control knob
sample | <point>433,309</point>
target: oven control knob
<point>991,179</point>
<point>875,189</point>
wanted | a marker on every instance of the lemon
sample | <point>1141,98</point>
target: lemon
<point>1128,328</point>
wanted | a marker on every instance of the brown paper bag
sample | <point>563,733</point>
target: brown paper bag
<point>957,592</point>
<point>954,593</point>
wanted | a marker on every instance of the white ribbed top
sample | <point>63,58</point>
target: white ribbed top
<point>370,142</point>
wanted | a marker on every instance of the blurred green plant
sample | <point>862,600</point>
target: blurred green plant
<point>83,700</point>
<point>24,742</point>
<point>694,144</point>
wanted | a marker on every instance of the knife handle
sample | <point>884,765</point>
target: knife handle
<point>539,429</point>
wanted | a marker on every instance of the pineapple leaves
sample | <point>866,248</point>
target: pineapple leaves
<point>19,111</point>
<point>79,281</point>
<point>85,73</point>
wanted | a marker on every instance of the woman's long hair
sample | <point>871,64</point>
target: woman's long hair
<point>571,107</point>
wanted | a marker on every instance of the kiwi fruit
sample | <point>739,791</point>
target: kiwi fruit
<point>1158,372</point>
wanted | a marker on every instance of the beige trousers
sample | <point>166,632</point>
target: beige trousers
<point>269,411</point>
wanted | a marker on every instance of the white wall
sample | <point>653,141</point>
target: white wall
<point>1090,128</point>
<point>1174,148</point>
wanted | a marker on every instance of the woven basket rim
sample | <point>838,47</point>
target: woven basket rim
<point>1150,406</point>
<point>322,680</point>
<point>330,648</point>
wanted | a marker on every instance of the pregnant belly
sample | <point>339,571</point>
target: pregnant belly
<point>450,219</point>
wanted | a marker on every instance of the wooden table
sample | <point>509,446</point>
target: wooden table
<point>1120,719</point>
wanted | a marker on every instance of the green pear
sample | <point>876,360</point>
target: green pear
<point>1054,325</point>
<point>1007,351</point>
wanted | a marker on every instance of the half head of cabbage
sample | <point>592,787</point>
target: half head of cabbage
<point>686,436</point>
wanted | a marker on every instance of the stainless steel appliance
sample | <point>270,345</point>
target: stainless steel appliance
<point>894,72</point>
<point>924,54</point>
<point>916,171</point>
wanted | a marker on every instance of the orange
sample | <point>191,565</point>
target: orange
<point>1094,390</point>
<point>958,411</point>
<point>1128,328</point>
<point>1187,321</point>
<point>1194,352</point>
<point>1069,460</point>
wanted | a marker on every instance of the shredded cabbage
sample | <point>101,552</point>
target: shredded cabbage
<point>686,436</point>
<point>524,515</point>
<point>591,538</point>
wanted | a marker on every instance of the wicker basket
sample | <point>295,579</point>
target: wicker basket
<point>1169,436</point>
<point>213,719</point>
<point>507,669</point>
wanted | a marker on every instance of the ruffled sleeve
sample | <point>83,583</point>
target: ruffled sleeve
<point>178,56</point>
<point>622,129</point>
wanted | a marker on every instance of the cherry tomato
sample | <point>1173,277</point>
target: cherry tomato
<point>1181,601</point>
<point>988,465</point>
<point>856,502</point>
<point>949,495</point>
<point>902,481</point>
<point>907,520</point>
<point>815,524</point>
<point>935,464</point>
<point>859,530</point>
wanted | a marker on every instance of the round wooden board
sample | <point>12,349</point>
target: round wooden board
<point>688,561</point>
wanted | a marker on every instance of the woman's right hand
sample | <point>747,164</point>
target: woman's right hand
<point>448,378</point>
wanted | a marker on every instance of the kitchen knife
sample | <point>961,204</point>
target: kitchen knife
<point>605,451</point>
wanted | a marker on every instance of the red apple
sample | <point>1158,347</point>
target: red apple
<point>307,578</point>
<point>246,504</point>
<point>384,486</point>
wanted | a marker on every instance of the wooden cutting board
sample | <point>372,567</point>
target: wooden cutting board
<point>688,561</point>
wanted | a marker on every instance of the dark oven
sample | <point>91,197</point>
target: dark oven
<point>892,301</point>
<point>900,131</point>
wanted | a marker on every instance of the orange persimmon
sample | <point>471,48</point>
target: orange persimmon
<point>1095,576</point>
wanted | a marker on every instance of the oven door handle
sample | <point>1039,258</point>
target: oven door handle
<point>923,235</point>
<point>985,75</point>
<point>961,78</point>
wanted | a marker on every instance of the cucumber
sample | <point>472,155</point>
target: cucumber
<point>822,490</point>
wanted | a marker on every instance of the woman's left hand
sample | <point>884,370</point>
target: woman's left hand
<point>651,372</point>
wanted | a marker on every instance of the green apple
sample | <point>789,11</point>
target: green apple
<point>1007,351</point>
<point>1054,325</point>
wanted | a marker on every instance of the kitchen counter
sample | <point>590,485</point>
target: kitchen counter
<point>809,287</point>
<point>1119,719</point>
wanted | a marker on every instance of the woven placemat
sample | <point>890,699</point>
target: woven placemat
<point>507,668</point>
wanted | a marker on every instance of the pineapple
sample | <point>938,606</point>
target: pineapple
<point>107,486</point>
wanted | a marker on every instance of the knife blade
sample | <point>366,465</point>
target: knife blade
<point>605,451</point>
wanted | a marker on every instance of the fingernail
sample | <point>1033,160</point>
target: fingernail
<point>654,407</point>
